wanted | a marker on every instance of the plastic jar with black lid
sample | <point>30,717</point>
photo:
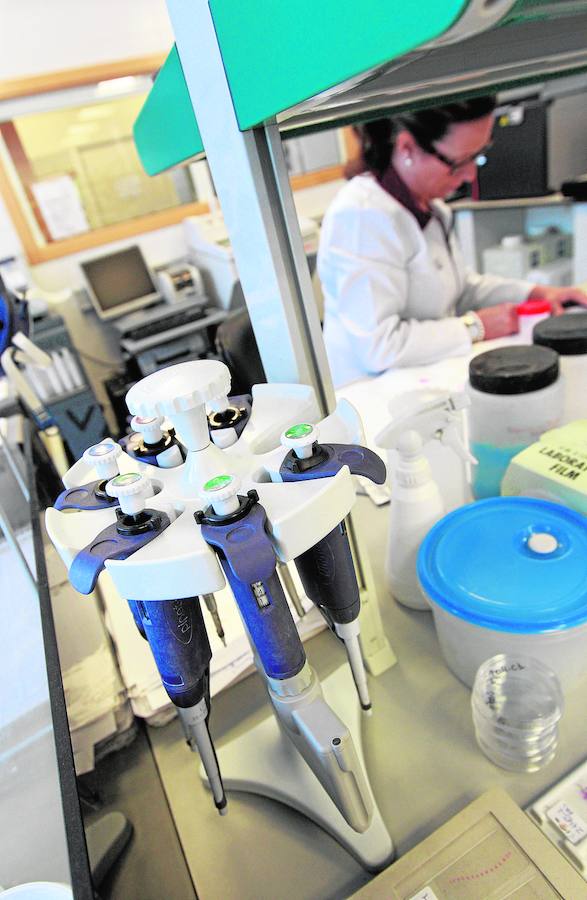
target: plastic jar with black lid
<point>516,395</point>
<point>567,335</point>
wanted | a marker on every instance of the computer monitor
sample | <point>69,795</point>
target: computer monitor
<point>119,283</point>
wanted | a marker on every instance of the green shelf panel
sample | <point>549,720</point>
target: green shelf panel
<point>278,54</point>
<point>166,132</point>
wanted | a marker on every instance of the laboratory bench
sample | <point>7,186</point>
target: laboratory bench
<point>419,745</point>
<point>420,751</point>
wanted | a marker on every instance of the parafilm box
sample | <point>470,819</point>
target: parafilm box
<point>554,468</point>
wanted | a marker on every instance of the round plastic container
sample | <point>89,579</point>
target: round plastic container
<point>516,704</point>
<point>529,314</point>
<point>516,395</point>
<point>516,761</point>
<point>567,335</point>
<point>509,575</point>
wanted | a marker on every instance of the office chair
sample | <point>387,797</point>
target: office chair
<point>237,347</point>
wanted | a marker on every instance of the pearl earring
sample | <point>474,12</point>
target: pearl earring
<point>408,161</point>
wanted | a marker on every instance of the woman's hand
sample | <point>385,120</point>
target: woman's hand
<point>557,295</point>
<point>498,321</point>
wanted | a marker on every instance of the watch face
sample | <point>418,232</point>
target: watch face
<point>472,324</point>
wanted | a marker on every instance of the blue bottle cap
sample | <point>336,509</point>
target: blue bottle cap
<point>513,564</point>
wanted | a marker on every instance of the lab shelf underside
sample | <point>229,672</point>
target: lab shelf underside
<point>497,59</point>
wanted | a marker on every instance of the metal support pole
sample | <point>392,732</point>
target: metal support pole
<point>301,272</point>
<point>250,178</point>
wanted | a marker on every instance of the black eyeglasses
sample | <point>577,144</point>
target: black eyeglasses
<point>454,166</point>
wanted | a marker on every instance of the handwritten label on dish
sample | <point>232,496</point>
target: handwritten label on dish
<point>571,825</point>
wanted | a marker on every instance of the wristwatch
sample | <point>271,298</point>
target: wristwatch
<point>474,326</point>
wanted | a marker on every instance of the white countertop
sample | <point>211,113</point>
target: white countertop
<point>420,748</point>
<point>421,756</point>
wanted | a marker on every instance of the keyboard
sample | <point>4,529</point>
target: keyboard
<point>160,326</point>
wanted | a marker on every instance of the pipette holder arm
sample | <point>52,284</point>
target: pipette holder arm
<point>90,496</point>
<point>111,544</point>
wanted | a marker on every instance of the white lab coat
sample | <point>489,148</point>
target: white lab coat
<point>392,290</point>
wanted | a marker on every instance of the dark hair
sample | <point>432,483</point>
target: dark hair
<point>426,125</point>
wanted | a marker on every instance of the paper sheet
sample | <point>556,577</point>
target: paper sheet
<point>61,207</point>
<point>229,664</point>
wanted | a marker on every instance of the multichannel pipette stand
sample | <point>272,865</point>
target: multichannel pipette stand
<point>280,492</point>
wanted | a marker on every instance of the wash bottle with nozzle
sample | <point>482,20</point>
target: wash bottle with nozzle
<point>416,500</point>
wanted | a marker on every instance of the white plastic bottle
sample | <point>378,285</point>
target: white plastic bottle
<point>416,500</point>
<point>416,505</point>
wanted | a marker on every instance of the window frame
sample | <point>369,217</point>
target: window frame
<point>65,79</point>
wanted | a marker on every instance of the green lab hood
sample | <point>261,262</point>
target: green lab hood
<point>311,65</point>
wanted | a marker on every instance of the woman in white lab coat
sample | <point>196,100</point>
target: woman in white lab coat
<point>396,288</point>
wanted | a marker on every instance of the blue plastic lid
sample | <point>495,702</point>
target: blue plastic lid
<point>509,563</point>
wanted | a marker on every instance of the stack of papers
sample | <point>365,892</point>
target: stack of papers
<point>229,664</point>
